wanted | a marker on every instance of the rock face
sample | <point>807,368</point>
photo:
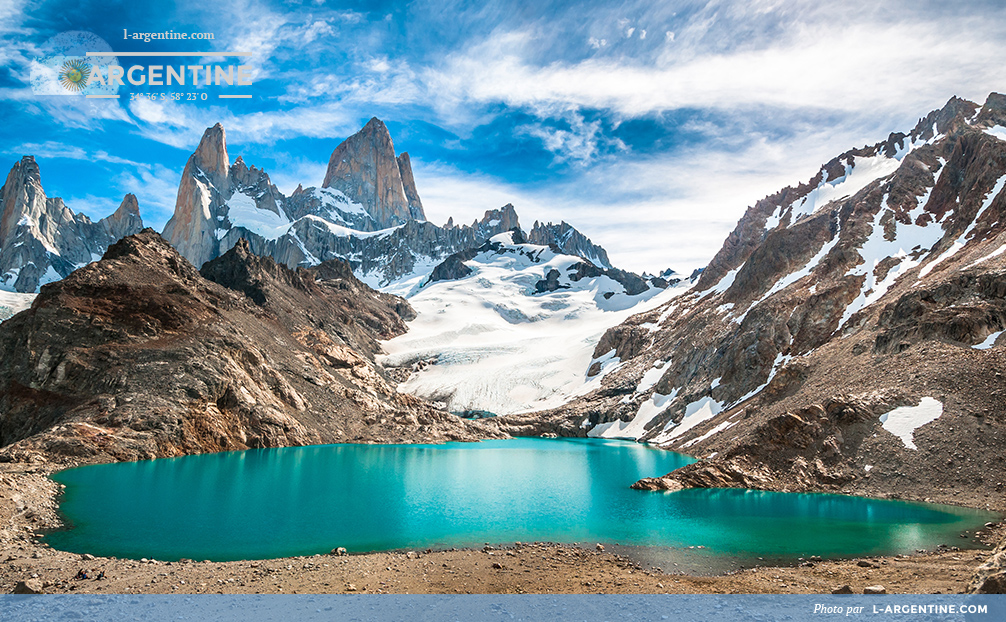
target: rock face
<point>364,168</point>
<point>990,576</point>
<point>42,240</point>
<point>140,356</point>
<point>845,336</point>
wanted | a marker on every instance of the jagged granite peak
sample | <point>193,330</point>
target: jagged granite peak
<point>138,356</point>
<point>993,111</point>
<point>364,167</point>
<point>570,241</point>
<point>409,185</point>
<point>391,245</point>
<point>125,220</point>
<point>42,240</point>
<point>215,198</point>
<point>823,314</point>
<point>310,226</point>
<point>210,156</point>
<point>201,195</point>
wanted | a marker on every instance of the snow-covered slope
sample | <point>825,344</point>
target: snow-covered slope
<point>13,302</point>
<point>497,341</point>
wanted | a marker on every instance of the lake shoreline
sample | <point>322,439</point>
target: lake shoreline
<point>28,508</point>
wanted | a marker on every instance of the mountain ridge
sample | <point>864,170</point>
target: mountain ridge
<point>367,211</point>
<point>139,356</point>
<point>42,240</point>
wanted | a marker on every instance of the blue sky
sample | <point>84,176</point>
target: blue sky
<point>650,126</point>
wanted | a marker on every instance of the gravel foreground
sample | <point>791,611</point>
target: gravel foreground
<point>28,508</point>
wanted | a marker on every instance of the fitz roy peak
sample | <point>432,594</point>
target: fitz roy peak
<point>42,240</point>
<point>365,169</point>
<point>367,212</point>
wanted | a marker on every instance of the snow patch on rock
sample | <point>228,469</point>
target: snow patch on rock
<point>902,422</point>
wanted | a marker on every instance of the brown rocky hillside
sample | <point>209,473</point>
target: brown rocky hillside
<point>139,356</point>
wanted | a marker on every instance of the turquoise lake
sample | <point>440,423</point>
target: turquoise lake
<point>269,503</point>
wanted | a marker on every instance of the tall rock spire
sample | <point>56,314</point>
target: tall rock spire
<point>365,169</point>
<point>211,155</point>
<point>192,227</point>
<point>409,184</point>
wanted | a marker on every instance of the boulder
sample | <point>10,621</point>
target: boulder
<point>28,586</point>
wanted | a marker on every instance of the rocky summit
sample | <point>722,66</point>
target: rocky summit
<point>140,356</point>
<point>42,240</point>
<point>845,338</point>
<point>364,168</point>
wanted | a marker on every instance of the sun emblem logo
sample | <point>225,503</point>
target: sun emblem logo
<point>74,75</point>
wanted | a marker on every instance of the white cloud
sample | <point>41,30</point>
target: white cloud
<point>579,143</point>
<point>55,149</point>
<point>182,126</point>
<point>826,66</point>
<point>674,210</point>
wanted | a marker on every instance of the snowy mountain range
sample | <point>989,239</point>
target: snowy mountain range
<point>367,211</point>
<point>507,320</point>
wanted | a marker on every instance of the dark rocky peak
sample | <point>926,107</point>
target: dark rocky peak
<point>452,268</point>
<point>139,290</point>
<point>517,236</point>
<point>993,112</point>
<point>955,113</point>
<point>569,241</point>
<point>338,304</point>
<point>333,270</point>
<point>244,271</point>
<point>211,156</point>
<point>148,248</point>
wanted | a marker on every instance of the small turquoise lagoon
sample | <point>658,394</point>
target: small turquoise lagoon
<point>268,503</point>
